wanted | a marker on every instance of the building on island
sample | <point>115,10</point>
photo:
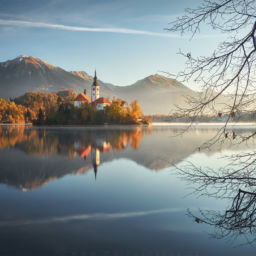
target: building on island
<point>81,99</point>
<point>101,103</point>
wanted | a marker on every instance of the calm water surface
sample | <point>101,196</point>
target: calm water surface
<point>107,191</point>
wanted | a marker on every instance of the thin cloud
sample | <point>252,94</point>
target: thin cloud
<point>94,216</point>
<point>31,24</point>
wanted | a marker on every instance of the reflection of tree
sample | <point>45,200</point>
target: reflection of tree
<point>238,219</point>
<point>231,68</point>
<point>136,138</point>
<point>235,182</point>
<point>11,135</point>
<point>39,141</point>
<point>242,213</point>
<point>66,142</point>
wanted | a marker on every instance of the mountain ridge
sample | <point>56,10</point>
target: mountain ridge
<point>156,93</point>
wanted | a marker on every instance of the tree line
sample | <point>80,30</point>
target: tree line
<point>50,108</point>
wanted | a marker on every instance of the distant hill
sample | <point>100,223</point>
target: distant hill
<point>156,94</point>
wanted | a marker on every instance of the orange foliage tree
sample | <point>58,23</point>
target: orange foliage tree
<point>12,113</point>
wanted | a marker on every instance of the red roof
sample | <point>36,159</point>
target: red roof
<point>104,147</point>
<point>86,152</point>
<point>82,97</point>
<point>102,100</point>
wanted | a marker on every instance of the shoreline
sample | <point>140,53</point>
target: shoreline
<point>214,124</point>
<point>79,126</point>
<point>174,124</point>
<point>16,124</point>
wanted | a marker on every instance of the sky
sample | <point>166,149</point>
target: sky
<point>124,40</point>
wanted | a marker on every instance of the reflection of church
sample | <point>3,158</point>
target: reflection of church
<point>89,144</point>
<point>95,149</point>
<point>95,160</point>
<point>99,143</point>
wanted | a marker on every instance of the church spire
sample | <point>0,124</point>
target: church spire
<point>95,79</point>
<point>95,89</point>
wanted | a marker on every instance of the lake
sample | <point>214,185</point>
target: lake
<point>117,191</point>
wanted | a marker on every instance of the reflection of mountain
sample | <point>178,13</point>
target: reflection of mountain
<point>31,157</point>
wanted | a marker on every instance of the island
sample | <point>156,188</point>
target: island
<point>68,108</point>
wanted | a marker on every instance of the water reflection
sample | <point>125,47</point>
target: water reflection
<point>47,145</point>
<point>234,181</point>
<point>68,141</point>
<point>134,205</point>
<point>32,157</point>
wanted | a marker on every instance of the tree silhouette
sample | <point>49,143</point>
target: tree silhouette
<point>231,67</point>
<point>41,116</point>
<point>235,182</point>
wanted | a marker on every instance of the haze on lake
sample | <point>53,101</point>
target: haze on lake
<point>109,191</point>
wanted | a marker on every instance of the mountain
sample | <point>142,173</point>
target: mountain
<point>83,75</point>
<point>24,74</point>
<point>156,94</point>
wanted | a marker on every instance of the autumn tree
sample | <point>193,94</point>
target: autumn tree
<point>135,110</point>
<point>13,113</point>
<point>37,100</point>
<point>116,113</point>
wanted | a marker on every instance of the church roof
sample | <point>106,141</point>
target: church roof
<point>82,97</point>
<point>102,100</point>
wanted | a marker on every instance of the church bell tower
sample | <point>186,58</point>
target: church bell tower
<point>95,90</point>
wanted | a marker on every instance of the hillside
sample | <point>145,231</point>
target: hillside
<point>24,74</point>
<point>155,93</point>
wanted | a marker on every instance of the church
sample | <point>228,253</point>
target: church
<point>99,102</point>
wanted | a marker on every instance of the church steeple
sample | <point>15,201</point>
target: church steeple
<point>95,79</point>
<point>95,90</point>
